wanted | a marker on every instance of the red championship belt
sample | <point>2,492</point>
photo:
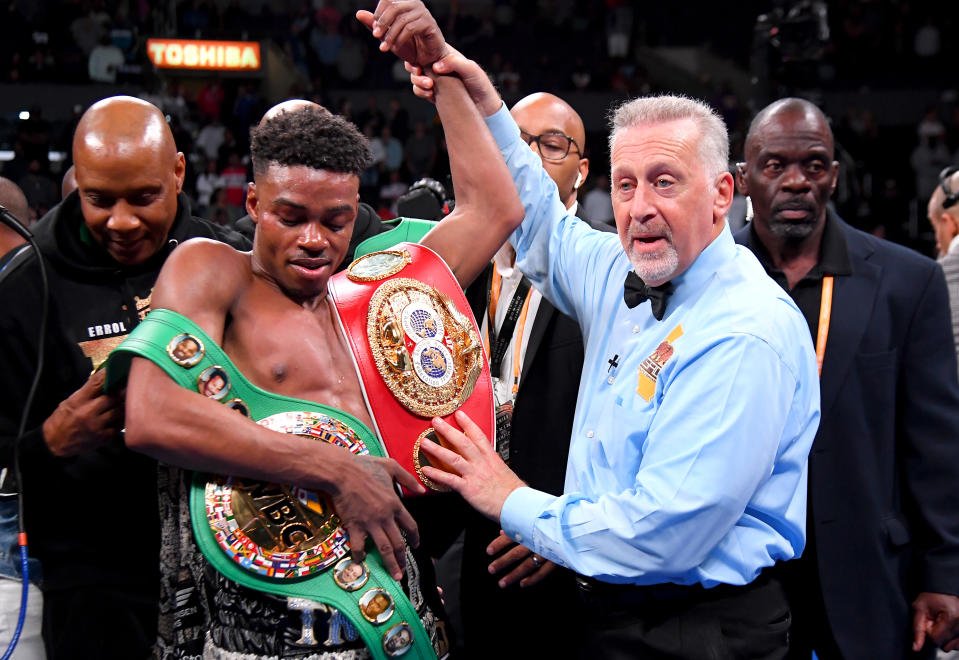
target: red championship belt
<point>416,346</point>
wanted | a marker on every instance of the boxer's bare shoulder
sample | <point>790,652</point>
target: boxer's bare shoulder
<point>201,280</point>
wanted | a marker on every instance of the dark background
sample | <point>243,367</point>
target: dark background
<point>884,72</point>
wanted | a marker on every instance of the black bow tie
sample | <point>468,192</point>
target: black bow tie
<point>635,291</point>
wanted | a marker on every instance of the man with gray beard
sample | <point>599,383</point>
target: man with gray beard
<point>883,528</point>
<point>698,400</point>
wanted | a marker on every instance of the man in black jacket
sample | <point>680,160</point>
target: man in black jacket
<point>91,504</point>
<point>882,523</point>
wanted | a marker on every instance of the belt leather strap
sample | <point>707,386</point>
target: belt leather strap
<point>153,339</point>
<point>359,295</point>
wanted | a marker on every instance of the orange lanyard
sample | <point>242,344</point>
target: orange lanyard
<point>495,289</point>
<point>825,313</point>
<point>517,345</point>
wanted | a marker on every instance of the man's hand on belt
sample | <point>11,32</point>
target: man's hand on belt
<point>528,567</point>
<point>477,471</point>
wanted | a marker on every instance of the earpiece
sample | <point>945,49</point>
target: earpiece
<point>579,181</point>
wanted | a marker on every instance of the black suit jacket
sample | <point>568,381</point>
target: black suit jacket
<point>884,467</point>
<point>541,428</point>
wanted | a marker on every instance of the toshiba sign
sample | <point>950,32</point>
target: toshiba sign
<point>204,55</point>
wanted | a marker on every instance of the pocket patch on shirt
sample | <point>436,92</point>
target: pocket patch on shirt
<point>650,367</point>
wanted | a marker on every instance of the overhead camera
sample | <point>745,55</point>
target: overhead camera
<point>798,33</point>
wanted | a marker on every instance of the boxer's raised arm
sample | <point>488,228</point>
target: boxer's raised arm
<point>488,207</point>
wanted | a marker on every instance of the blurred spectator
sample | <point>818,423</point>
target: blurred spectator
<point>247,110</point>
<point>207,183</point>
<point>508,78</point>
<point>229,146</point>
<point>927,160</point>
<point>87,29</point>
<point>393,149</point>
<point>39,188</point>
<point>69,182</point>
<point>420,152</point>
<point>326,42</point>
<point>234,184</point>
<point>377,147</point>
<point>104,61</point>
<point>398,119</point>
<point>927,41</point>
<point>371,114</point>
<point>598,204</point>
<point>210,138</point>
<point>351,60</point>
<point>930,125</point>
<point>581,76</point>
<point>193,18</point>
<point>391,192</point>
<point>220,211</point>
<point>619,28</point>
<point>174,103</point>
<point>123,30</point>
<point>209,102</point>
<point>41,64</point>
<point>181,136</point>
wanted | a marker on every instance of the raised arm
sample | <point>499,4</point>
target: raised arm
<point>184,428</point>
<point>487,204</point>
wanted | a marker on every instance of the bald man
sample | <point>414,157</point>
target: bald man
<point>91,504</point>
<point>367,222</point>
<point>878,578</point>
<point>69,182</point>
<point>535,380</point>
<point>13,199</point>
<point>943,214</point>
<point>30,646</point>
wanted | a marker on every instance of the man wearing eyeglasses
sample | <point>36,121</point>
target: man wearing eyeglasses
<point>537,359</point>
<point>943,212</point>
<point>882,522</point>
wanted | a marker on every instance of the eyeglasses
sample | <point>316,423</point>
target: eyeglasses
<point>952,196</point>
<point>552,146</point>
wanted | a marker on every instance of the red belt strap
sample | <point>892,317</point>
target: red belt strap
<point>415,344</point>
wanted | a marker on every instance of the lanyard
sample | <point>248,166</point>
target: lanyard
<point>825,313</point>
<point>497,342</point>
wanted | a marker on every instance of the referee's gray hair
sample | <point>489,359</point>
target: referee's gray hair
<point>713,140</point>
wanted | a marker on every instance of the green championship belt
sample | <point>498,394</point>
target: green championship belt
<point>409,230</point>
<point>282,540</point>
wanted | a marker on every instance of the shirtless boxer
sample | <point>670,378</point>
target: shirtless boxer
<point>270,312</point>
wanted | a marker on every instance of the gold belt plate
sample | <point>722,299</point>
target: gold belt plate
<point>426,350</point>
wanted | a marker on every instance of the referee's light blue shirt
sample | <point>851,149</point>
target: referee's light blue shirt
<point>688,459</point>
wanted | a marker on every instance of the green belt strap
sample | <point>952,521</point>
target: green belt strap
<point>409,230</point>
<point>150,339</point>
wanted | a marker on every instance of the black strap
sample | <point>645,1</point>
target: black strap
<point>499,341</point>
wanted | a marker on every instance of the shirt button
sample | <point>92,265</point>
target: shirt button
<point>635,329</point>
<point>589,434</point>
<point>610,380</point>
<point>519,538</point>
